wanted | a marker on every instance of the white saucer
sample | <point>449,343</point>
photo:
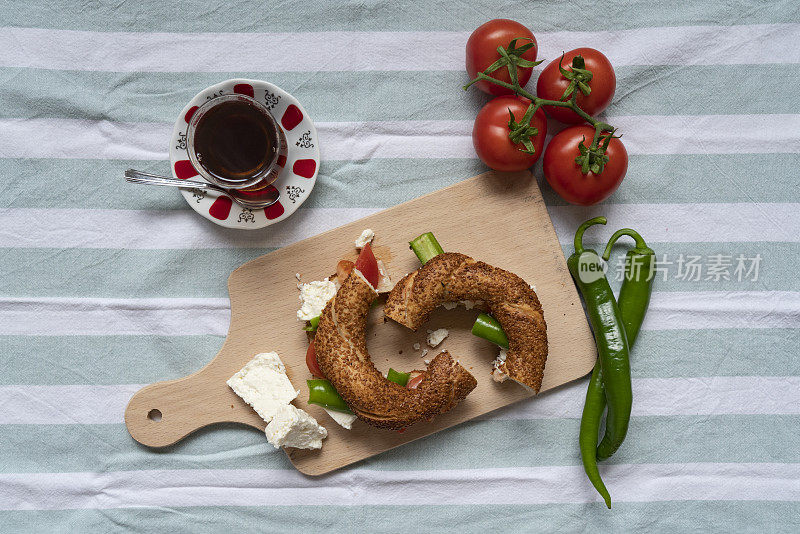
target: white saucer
<point>299,161</point>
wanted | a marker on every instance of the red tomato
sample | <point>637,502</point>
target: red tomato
<point>490,134</point>
<point>564,175</point>
<point>368,265</point>
<point>414,381</point>
<point>311,361</point>
<point>552,84</point>
<point>482,52</point>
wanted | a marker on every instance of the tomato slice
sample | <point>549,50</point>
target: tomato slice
<point>368,265</point>
<point>414,382</point>
<point>311,361</point>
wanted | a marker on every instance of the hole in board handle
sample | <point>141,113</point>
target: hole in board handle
<point>154,415</point>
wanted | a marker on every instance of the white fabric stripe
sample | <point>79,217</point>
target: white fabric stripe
<point>643,134</point>
<point>65,316</point>
<point>508,485</point>
<point>182,229</point>
<point>61,405</point>
<point>718,395</point>
<point>662,397</point>
<point>381,51</point>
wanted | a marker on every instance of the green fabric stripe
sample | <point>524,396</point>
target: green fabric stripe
<point>667,516</point>
<point>722,352</point>
<point>374,15</point>
<point>129,273</point>
<point>121,273</point>
<point>700,178</point>
<point>99,184</point>
<point>157,97</point>
<point>477,444</point>
<point>381,183</point>
<point>109,360</point>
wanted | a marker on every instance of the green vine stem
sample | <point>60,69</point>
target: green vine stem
<point>592,158</point>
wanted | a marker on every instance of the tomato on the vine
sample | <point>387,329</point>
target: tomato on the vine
<point>551,85</point>
<point>564,174</point>
<point>482,52</point>
<point>490,134</point>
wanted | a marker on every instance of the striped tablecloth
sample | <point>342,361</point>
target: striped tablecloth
<point>105,287</point>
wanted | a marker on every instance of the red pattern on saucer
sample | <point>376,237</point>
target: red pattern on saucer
<point>291,117</point>
<point>304,167</point>
<point>221,208</point>
<point>184,169</point>
<point>244,89</point>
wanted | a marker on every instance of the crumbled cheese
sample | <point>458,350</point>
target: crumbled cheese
<point>297,275</point>
<point>533,286</point>
<point>468,304</point>
<point>292,427</point>
<point>437,336</point>
<point>417,346</point>
<point>344,419</point>
<point>366,237</point>
<point>314,296</point>
<point>263,384</point>
<point>424,352</point>
<point>499,367</point>
<point>386,281</point>
<point>427,362</point>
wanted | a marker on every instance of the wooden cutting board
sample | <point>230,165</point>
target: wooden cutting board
<point>495,217</point>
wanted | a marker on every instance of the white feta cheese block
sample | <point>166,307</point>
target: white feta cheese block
<point>292,427</point>
<point>437,336</point>
<point>366,237</point>
<point>344,419</point>
<point>313,297</point>
<point>450,305</point>
<point>263,384</point>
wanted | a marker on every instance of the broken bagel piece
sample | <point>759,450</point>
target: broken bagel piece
<point>342,355</point>
<point>451,277</point>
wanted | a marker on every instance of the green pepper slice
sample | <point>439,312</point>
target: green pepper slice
<point>322,393</point>
<point>488,328</point>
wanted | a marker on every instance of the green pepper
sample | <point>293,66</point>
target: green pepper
<point>489,329</point>
<point>401,379</point>
<point>634,298</point>
<point>312,325</point>
<point>322,393</point>
<point>612,348</point>
<point>426,247</point>
<point>590,427</point>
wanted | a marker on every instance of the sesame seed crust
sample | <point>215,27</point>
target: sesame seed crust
<point>452,277</point>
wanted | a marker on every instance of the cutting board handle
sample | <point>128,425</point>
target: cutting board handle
<point>165,412</point>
